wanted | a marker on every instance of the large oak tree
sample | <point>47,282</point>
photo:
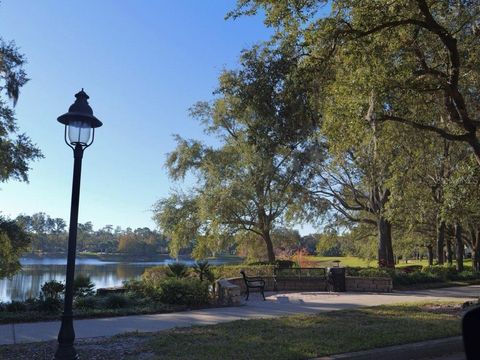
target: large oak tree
<point>264,122</point>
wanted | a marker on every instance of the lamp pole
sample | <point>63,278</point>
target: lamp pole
<point>79,121</point>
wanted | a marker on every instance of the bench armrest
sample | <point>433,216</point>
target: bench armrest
<point>255,280</point>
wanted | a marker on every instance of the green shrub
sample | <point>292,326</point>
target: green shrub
<point>83,286</point>
<point>440,271</point>
<point>467,275</point>
<point>86,302</point>
<point>143,289</point>
<point>352,270</point>
<point>186,291</point>
<point>52,290</point>
<point>155,275</point>
<point>177,270</point>
<point>202,269</point>
<point>49,304</point>
<point>232,271</point>
<point>373,272</point>
<point>32,303</point>
<point>285,264</point>
<point>115,301</point>
<point>16,306</point>
<point>416,277</point>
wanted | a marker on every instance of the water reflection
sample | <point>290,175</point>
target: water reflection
<point>36,271</point>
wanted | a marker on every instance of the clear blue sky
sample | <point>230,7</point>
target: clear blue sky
<point>143,64</point>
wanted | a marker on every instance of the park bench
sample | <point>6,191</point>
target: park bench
<point>253,283</point>
<point>289,277</point>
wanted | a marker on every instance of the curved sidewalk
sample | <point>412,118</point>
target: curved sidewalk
<point>280,304</point>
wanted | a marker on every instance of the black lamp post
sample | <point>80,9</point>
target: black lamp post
<point>80,127</point>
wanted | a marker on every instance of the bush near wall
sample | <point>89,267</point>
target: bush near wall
<point>427,274</point>
<point>232,271</point>
<point>155,275</point>
<point>190,292</point>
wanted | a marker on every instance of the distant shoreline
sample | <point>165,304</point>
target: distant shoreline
<point>122,257</point>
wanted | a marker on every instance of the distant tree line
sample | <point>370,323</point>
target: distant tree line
<point>49,235</point>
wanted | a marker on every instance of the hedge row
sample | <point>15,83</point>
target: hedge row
<point>157,274</point>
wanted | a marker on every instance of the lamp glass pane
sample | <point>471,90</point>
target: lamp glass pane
<point>79,132</point>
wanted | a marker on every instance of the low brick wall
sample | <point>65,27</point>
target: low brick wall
<point>285,284</point>
<point>352,283</point>
<point>373,284</point>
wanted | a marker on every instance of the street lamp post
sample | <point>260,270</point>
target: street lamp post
<point>80,127</point>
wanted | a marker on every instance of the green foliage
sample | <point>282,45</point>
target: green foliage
<point>16,149</point>
<point>86,302</point>
<point>399,83</point>
<point>373,272</point>
<point>416,277</point>
<point>16,306</point>
<point>329,244</point>
<point>367,271</point>
<point>154,275</point>
<point>83,286</point>
<point>203,270</point>
<point>115,301</point>
<point>233,271</point>
<point>140,242</point>
<point>49,234</point>
<point>13,243</point>
<point>49,304</point>
<point>265,121</point>
<point>177,270</point>
<point>285,264</point>
<point>52,289</point>
<point>467,275</point>
<point>184,291</point>
<point>442,272</point>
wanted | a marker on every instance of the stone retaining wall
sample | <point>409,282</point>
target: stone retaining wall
<point>352,283</point>
<point>373,284</point>
<point>228,293</point>
<point>111,290</point>
<point>285,284</point>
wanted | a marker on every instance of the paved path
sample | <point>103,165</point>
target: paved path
<point>280,304</point>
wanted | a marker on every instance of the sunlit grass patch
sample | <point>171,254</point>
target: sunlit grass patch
<point>306,336</point>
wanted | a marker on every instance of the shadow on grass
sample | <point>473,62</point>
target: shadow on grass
<point>306,336</point>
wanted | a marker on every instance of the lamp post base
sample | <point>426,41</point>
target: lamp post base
<point>66,353</point>
<point>66,337</point>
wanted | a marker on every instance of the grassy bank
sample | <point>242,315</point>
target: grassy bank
<point>292,337</point>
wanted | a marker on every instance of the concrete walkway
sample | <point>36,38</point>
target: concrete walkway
<point>277,304</point>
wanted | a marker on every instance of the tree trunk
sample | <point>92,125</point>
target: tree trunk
<point>449,251</point>
<point>475,240</point>
<point>460,247</point>
<point>268,241</point>
<point>476,259</point>
<point>430,254</point>
<point>440,242</point>
<point>385,249</point>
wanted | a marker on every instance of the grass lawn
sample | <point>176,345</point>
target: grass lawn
<point>292,337</point>
<point>306,336</point>
<point>325,261</point>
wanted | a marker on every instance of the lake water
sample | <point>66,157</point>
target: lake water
<point>36,271</point>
